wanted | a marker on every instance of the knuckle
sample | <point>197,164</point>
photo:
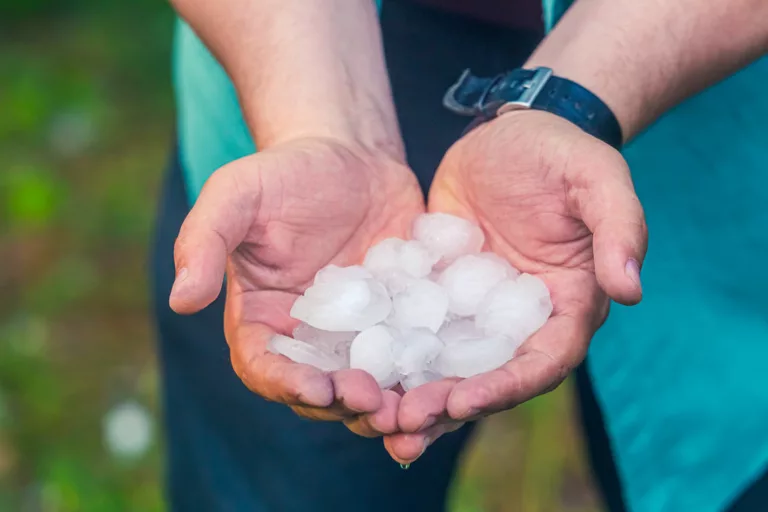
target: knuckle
<point>289,389</point>
<point>178,246</point>
<point>512,385</point>
<point>241,370</point>
<point>553,386</point>
<point>558,371</point>
<point>272,382</point>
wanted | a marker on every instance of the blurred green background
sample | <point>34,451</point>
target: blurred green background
<point>86,122</point>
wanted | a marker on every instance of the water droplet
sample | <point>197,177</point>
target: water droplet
<point>404,466</point>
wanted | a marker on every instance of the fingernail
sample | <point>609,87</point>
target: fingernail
<point>427,442</point>
<point>373,423</point>
<point>181,275</point>
<point>632,269</point>
<point>427,423</point>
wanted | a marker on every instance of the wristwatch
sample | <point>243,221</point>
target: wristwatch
<point>537,89</point>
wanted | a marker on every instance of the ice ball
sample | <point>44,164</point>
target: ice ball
<point>475,356</point>
<point>418,349</point>
<point>396,262</point>
<point>333,273</point>
<point>410,257</point>
<point>303,352</point>
<point>373,350</point>
<point>459,330</point>
<point>416,379</point>
<point>447,237</point>
<point>468,279</point>
<point>351,305</point>
<point>422,304</point>
<point>330,342</point>
<point>515,308</point>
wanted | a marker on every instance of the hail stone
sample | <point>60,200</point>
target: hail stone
<point>302,352</point>
<point>475,356</point>
<point>459,330</point>
<point>351,305</point>
<point>447,237</point>
<point>333,273</point>
<point>373,350</point>
<point>335,344</point>
<point>416,379</point>
<point>422,304</point>
<point>515,308</point>
<point>468,279</point>
<point>395,262</point>
<point>417,351</point>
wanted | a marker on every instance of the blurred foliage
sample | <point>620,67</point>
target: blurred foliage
<point>85,127</point>
<point>86,123</point>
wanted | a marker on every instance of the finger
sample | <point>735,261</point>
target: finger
<point>330,413</point>
<point>275,377</point>
<point>379,411</point>
<point>422,407</point>
<point>383,421</point>
<point>214,228</point>
<point>339,411</point>
<point>606,201</point>
<point>356,391</point>
<point>406,448</point>
<point>541,364</point>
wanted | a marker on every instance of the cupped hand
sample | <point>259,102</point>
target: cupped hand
<point>272,220</point>
<point>559,204</point>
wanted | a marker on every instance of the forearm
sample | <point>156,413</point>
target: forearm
<point>643,57</point>
<point>302,67</point>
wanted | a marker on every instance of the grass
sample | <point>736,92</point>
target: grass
<point>86,120</point>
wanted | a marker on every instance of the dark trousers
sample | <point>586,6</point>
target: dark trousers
<point>229,450</point>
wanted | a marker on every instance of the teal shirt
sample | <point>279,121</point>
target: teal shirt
<point>681,377</point>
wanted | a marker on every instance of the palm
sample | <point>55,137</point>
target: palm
<point>320,203</point>
<point>528,217</point>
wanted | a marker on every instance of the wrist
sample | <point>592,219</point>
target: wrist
<point>534,89</point>
<point>354,125</point>
<point>626,103</point>
<point>586,47</point>
<point>316,69</point>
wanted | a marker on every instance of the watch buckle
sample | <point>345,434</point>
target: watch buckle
<point>468,95</point>
<point>531,90</point>
<point>450,100</point>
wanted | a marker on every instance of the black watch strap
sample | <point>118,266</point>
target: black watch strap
<point>538,89</point>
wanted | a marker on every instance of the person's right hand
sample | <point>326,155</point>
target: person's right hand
<point>272,220</point>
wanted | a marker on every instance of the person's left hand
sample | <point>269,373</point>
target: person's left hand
<point>559,204</point>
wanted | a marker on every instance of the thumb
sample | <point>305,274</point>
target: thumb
<point>605,200</point>
<point>216,225</point>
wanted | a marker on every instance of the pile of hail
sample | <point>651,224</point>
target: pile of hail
<point>418,310</point>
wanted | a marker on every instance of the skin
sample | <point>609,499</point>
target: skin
<point>560,204</point>
<point>564,213</point>
<point>331,179</point>
<point>259,218</point>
